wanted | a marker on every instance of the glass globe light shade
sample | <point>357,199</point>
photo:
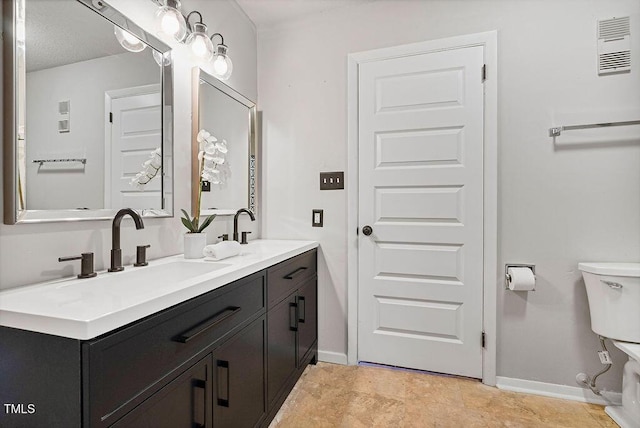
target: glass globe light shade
<point>222,65</point>
<point>170,21</point>
<point>128,40</point>
<point>200,45</point>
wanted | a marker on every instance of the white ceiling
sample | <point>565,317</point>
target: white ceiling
<point>265,13</point>
<point>64,32</point>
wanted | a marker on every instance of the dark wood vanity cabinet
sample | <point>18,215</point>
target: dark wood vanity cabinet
<point>227,358</point>
<point>292,324</point>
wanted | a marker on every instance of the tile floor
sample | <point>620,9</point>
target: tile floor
<point>329,395</point>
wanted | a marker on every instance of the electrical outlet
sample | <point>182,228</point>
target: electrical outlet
<point>206,186</point>
<point>332,180</point>
<point>317,218</point>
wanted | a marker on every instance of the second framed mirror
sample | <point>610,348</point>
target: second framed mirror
<point>225,122</point>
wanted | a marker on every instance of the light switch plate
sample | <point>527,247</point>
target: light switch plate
<point>332,180</point>
<point>317,218</point>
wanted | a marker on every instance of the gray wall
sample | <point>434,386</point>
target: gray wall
<point>28,253</point>
<point>558,205</point>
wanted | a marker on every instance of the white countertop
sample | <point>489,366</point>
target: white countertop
<point>86,308</point>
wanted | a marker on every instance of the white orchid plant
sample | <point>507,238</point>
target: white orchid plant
<point>150,169</point>
<point>211,155</point>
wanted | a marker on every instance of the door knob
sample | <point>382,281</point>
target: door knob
<point>367,230</point>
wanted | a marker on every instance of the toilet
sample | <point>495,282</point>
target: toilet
<point>613,290</point>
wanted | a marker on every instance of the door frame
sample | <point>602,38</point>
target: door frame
<point>109,96</point>
<point>489,41</point>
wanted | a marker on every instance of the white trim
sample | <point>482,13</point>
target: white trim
<point>332,357</point>
<point>489,41</point>
<point>553,390</point>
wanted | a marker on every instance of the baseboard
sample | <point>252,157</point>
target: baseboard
<point>566,392</point>
<point>332,357</point>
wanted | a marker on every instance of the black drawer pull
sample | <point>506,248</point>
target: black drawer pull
<point>302,309</point>
<point>293,326</point>
<point>206,325</point>
<point>223,383</point>
<point>295,273</point>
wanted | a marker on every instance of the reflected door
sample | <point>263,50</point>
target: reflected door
<point>135,132</point>
<point>420,185</point>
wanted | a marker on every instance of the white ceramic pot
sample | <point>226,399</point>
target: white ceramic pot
<point>194,243</point>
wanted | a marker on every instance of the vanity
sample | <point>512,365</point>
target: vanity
<point>179,343</point>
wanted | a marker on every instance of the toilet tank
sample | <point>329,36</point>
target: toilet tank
<point>613,290</point>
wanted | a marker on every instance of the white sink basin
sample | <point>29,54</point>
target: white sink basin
<point>112,291</point>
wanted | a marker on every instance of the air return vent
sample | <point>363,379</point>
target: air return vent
<point>614,45</point>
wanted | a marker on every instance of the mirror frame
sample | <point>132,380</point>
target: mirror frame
<point>252,192</point>
<point>12,10</point>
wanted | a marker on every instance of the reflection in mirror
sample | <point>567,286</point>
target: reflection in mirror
<point>229,118</point>
<point>90,128</point>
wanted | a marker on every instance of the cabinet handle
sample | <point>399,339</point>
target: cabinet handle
<point>302,310</point>
<point>200,384</point>
<point>294,306</point>
<point>295,273</point>
<point>208,324</point>
<point>223,383</point>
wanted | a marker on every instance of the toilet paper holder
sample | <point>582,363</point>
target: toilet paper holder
<point>507,277</point>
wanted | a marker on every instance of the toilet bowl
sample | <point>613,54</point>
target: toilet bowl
<point>613,291</point>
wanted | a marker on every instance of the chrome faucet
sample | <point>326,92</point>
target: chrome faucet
<point>116,252</point>
<point>235,221</point>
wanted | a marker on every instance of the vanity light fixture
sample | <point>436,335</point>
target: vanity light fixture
<point>128,40</point>
<point>222,65</point>
<point>200,46</point>
<point>170,21</point>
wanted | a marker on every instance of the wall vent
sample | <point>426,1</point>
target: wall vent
<point>614,45</point>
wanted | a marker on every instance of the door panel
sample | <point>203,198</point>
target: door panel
<point>420,186</point>
<point>182,403</point>
<point>281,339</point>
<point>238,393</point>
<point>136,131</point>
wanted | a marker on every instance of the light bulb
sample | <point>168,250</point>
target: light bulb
<point>199,43</point>
<point>222,65</point>
<point>170,21</point>
<point>170,24</point>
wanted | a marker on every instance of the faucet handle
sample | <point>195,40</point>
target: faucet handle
<point>86,266</point>
<point>141,255</point>
<point>244,237</point>
<point>224,236</point>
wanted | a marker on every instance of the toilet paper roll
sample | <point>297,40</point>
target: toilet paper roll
<point>521,279</point>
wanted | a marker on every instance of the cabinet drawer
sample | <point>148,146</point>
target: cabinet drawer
<point>284,277</point>
<point>125,367</point>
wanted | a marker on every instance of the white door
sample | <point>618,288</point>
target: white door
<point>136,130</point>
<point>420,184</point>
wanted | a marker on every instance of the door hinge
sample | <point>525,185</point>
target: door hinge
<point>357,231</point>
<point>110,117</point>
<point>484,72</point>
<point>484,339</point>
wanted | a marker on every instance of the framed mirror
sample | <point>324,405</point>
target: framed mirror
<point>88,114</point>
<point>227,117</point>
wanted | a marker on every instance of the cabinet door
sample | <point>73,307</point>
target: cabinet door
<point>238,387</point>
<point>307,317</point>
<point>184,402</point>
<point>281,348</point>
